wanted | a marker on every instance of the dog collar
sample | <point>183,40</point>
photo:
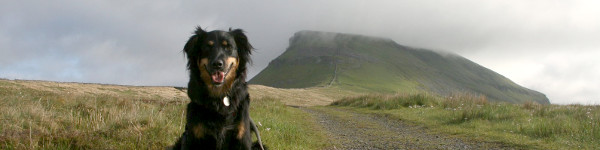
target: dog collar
<point>226,101</point>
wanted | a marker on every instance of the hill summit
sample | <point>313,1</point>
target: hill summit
<point>372,64</point>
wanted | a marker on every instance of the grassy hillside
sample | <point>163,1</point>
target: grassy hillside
<point>54,115</point>
<point>524,126</point>
<point>369,64</point>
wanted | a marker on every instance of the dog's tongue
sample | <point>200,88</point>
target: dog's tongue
<point>218,77</point>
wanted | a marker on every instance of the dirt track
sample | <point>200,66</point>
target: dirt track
<point>352,130</point>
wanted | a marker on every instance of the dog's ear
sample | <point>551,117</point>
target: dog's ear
<point>244,47</point>
<point>199,33</point>
<point>191,44</point>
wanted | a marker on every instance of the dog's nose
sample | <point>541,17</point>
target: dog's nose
<point>217,64</point>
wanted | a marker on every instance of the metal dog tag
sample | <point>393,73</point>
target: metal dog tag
<point>226,101</point>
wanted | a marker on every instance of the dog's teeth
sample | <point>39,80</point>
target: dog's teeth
<point>226,101</point>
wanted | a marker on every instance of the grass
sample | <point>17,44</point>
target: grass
<point>38,119</point>
<point>528,125</point>
<point>320,75</point>
<point>284,128</point>
<point>33,119</point>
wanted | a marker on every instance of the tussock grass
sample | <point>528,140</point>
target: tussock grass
<point>527,125</point>
<point>282,127</point>
<point>41,119</point>
<point>378,101</point>
<point>33,119</point>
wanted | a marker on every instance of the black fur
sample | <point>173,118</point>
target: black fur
<point>209,123</point>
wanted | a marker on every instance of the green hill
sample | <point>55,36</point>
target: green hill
<point>371,64</point>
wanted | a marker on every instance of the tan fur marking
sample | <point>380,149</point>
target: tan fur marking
<point>241,130</point>
<point>234,64</point>
<point>204,73</point>
<point>231,75</point>
<point>211,43</point>
<point>198,131</point>
<point>224,43</point>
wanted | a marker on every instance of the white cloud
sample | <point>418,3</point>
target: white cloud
<point>569,77</point>
<point>140,42</point>
<point>566,77</point>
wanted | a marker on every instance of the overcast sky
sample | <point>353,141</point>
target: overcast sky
<point>551,46</point>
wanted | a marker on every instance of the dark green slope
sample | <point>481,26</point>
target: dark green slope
<point>370,64</point>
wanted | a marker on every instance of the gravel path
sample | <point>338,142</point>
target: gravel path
<point>352,130</point>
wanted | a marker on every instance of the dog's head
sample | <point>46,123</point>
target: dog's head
<point>218,59</point>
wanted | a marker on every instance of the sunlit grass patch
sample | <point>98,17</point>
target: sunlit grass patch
<point>128,119</point>
<point>528,125</point>
<point>380,101</point>
<point>283,127</point>
<point>33,119</point>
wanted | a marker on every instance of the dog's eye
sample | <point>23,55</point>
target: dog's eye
<point>227,45</point>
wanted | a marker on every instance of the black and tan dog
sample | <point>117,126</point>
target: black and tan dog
<point>217,116</point>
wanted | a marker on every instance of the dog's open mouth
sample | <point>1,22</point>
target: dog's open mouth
<point>217,76</point>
